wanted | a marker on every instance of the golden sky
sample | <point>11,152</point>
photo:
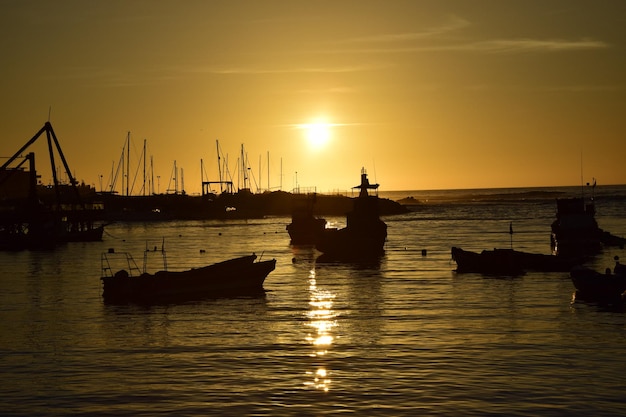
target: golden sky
<point>425,94</point>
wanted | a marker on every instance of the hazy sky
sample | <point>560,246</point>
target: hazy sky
<point>423,94</point>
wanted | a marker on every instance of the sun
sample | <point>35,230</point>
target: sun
<point>317,134</point>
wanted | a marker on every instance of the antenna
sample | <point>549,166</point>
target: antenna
<point>49,113</point>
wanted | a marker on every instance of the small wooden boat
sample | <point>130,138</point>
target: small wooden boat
<point>592,285</point>
<point>510,261</point>
<point>233,277</point>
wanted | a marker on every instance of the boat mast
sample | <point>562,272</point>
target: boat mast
<point>182,181</point>
<point>111,178</point>
<point>201,176</point>
<point>144,167</point>
<point>175,178</point>
<point>243,167</point>
<point>219,164</point>
<point>127,162</point>
<point>151,175</point>
<point>268,171</point>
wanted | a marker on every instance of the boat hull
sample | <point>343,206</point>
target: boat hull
<point>512,262</point>
<point>347,244</point>
<point>595,286</point>
<point>306,231</point>
<point>575,230</point>
<point>234,277</point>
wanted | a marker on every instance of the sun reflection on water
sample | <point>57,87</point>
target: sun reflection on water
<point>321,320</point>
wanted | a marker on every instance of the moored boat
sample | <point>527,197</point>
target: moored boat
<point>305,228</point>
<point>510,261</point>
<point>365,233</point>
<point>592,285</point>
<point>575,230</point>
<point>234,277</point>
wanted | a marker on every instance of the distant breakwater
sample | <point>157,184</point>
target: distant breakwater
<point>240,205</point>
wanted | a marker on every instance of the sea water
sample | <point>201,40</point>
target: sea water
<point>403,336</point>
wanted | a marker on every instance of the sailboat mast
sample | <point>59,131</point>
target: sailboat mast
<point>144,167</point>
<point>243,167</point>
<point>151,175</point>
<point>219,164</point>
<point>127,162</point>
<point>268,171</point>
<point>201,177</point>
<point>112,182</point>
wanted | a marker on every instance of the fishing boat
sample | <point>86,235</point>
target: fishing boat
<point>365,233</point>
<point>592,285</point>
<point>305,228</point>
<point>511,262</point>
<point>575,229</point>
<point>234,277</point>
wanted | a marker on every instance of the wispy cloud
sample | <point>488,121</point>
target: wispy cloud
<point>292,70</point>
<point>117,77</point>
<point>585,88</point>
<point>332,90</point>
<point>487,46</point>
<point>533,45</point>
<point>573,88</point>
<point>300,126</point>
<point>446,37</point>
<point>454,24</point>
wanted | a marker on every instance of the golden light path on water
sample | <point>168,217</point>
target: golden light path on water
<point>321,320</point>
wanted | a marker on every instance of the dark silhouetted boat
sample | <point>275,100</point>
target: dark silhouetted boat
<point>592,285</point>
<point>575,230</point>
<point>234,277</point>
<point>365,233</point>
<point>305,228</point>
<point>511,262</point>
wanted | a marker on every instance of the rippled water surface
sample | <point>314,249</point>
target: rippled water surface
<point>406,336</point>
